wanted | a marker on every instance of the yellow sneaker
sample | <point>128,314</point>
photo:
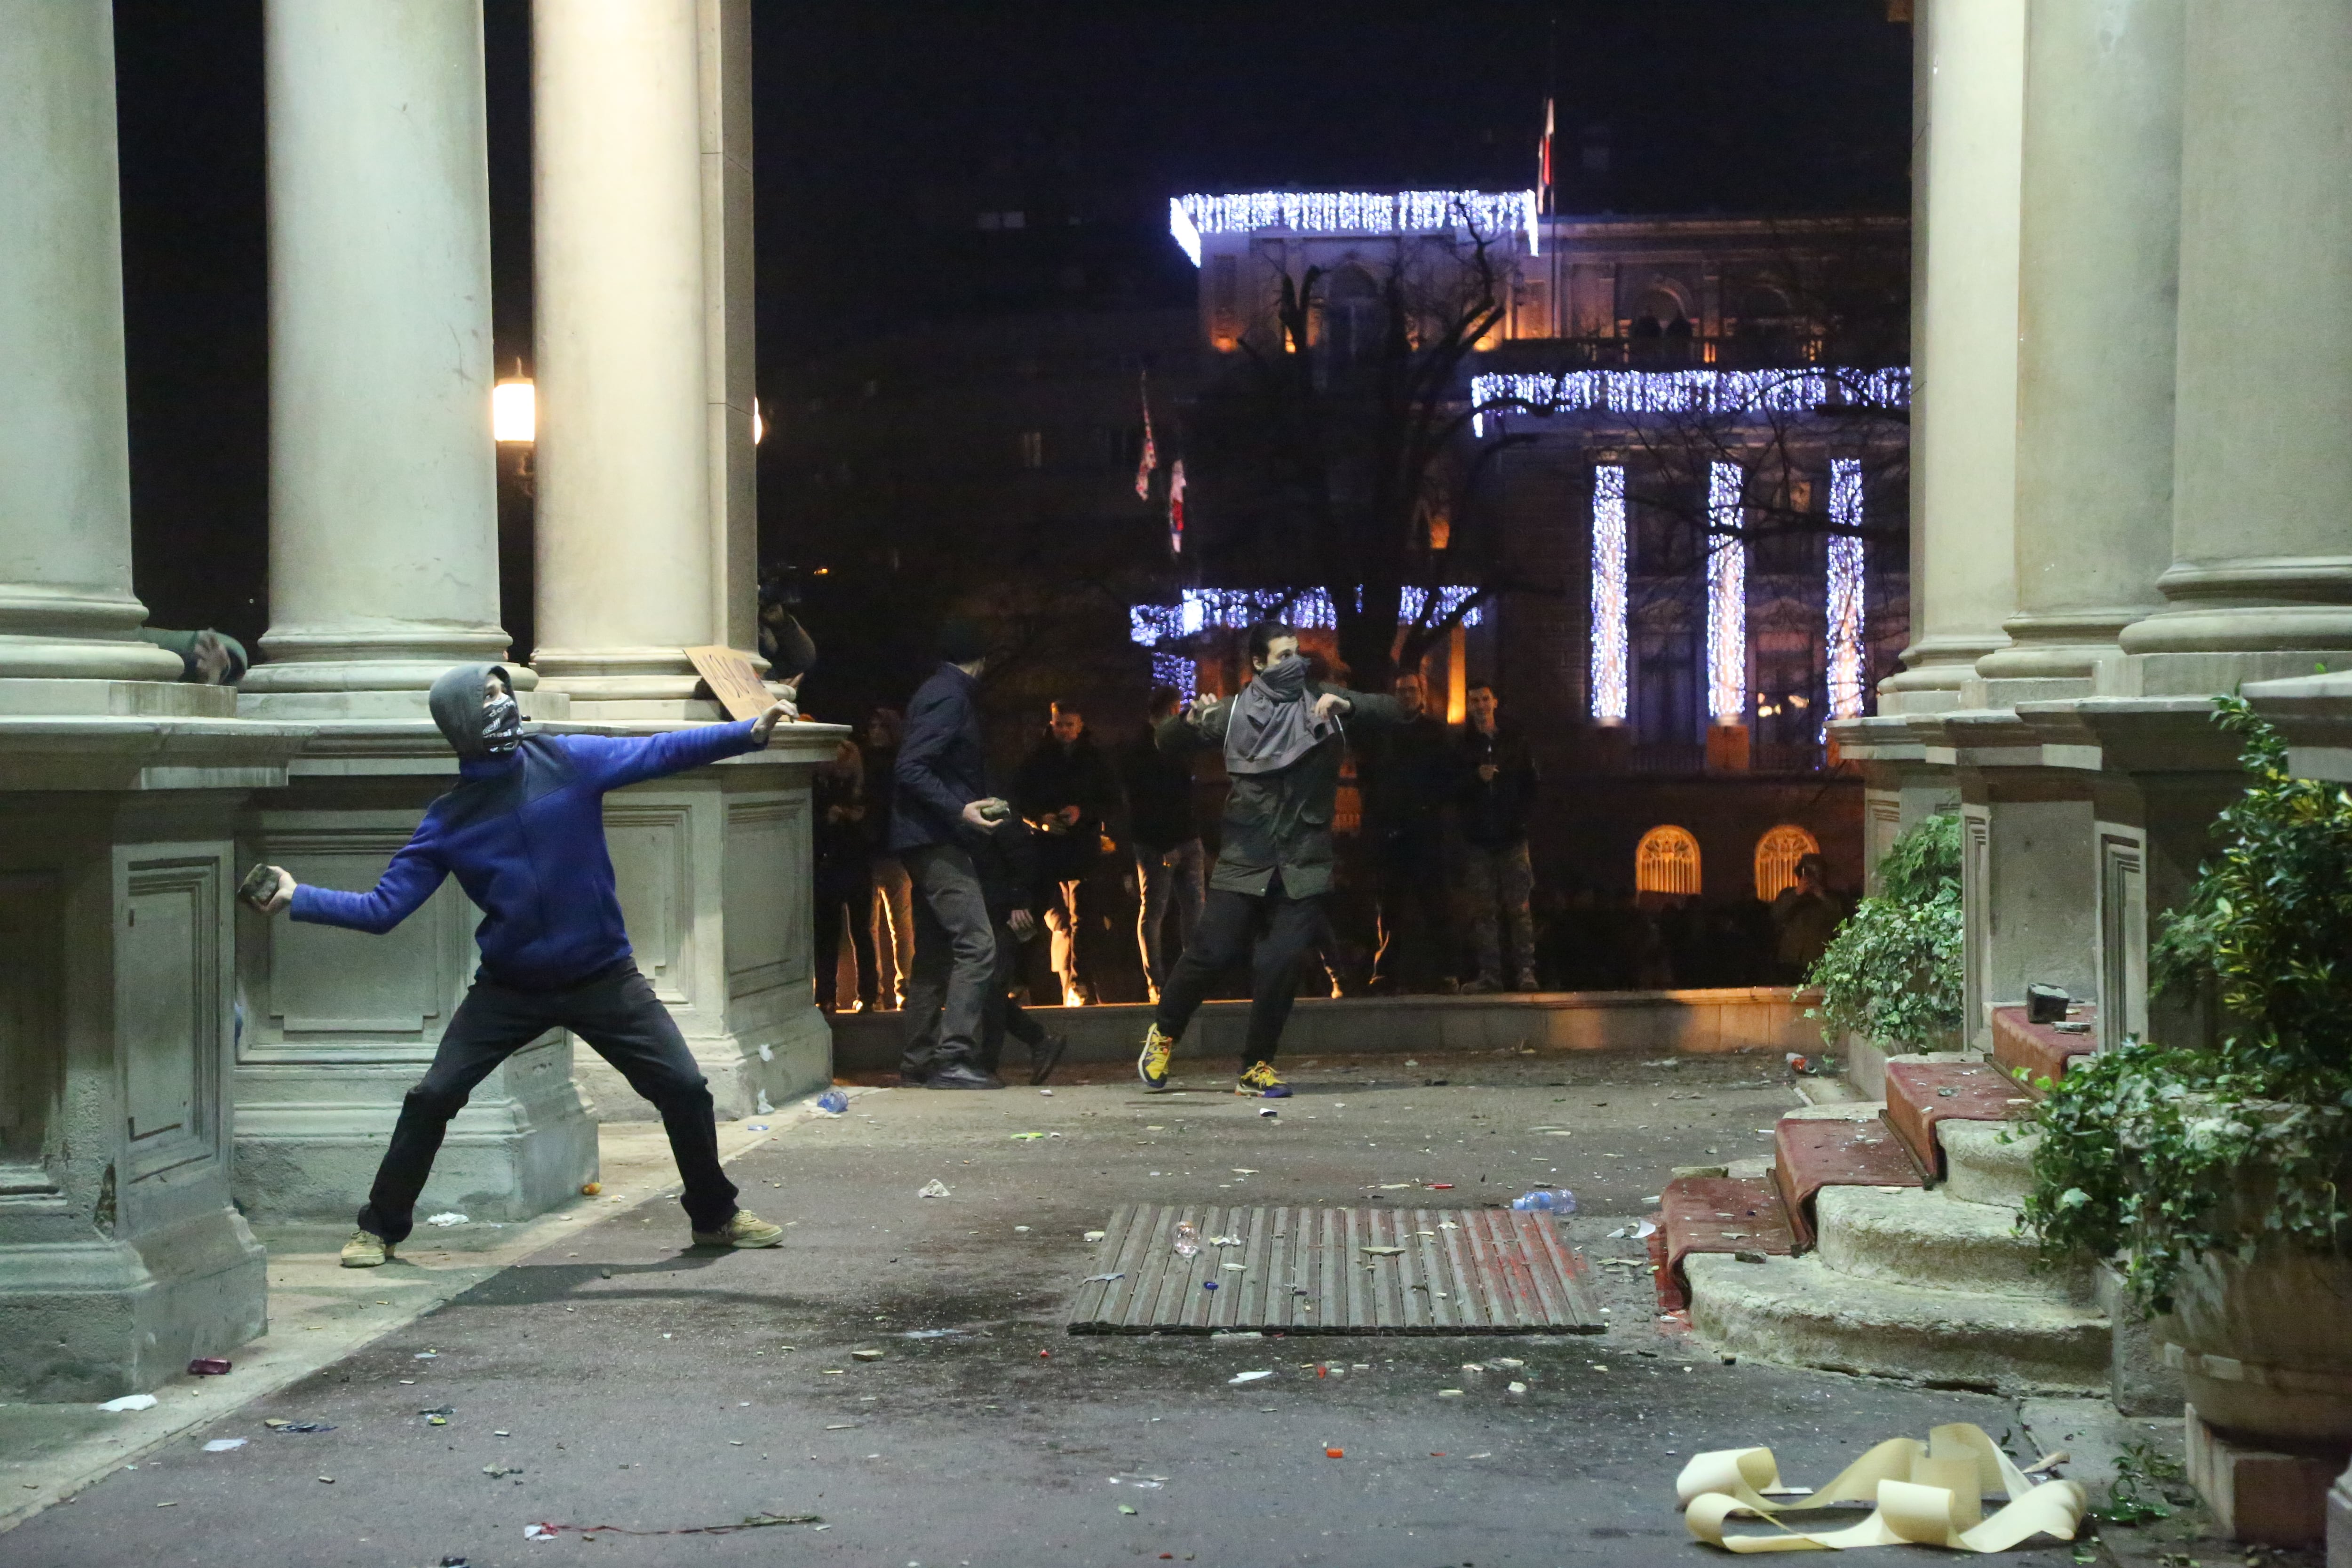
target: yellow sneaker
<point>745,1229</point>
<point>365,1249</point>
<point>1260,1081</point>
<point>1151,1067</point>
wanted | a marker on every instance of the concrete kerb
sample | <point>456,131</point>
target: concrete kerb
<point>320,1313</point>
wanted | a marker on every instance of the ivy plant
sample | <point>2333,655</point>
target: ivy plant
<point>2158,1155</point>
<point>1891,973</point>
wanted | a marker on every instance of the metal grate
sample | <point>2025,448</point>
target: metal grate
<point>1332,1271</point>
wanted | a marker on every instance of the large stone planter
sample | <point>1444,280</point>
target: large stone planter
<point>2264,1346</point>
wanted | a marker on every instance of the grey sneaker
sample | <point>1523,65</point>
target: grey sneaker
<point>744,1229</point>
<point>365,1249</point>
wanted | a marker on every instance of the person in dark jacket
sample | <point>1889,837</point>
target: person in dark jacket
<point>940,807</point>
<point>1284,739</point>
<point>1007,862</point>
<point>1409,782</point>
<point>844,876</point>
<point>1065,791</point>
<point>523,832</point>
<point>1494,792</point>
<point>1169,863</point>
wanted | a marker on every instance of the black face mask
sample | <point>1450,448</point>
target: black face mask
<point>501,725</point>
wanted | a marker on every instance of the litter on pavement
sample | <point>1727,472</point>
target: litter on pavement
<point>277,1424</point>
<point>1239,1378</point>
<point>1560,1202</point>
<point>223,1445</point>
<point>549,1532</point>
<point>447,1218</point>
<point>1640,1230</point>
<point>209,1366</point>
<point>934,1188</point>
<point>832,1102</point>
<point>129,1401</point>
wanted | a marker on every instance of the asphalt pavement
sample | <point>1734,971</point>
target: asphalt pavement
<point>619,1378</point>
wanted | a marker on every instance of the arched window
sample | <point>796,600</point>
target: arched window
<point>1666,862</point>
<point>1777,854</point>
<point>1352,313</point>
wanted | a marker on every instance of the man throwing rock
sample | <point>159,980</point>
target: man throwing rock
<point>1283,740</point>
<point>523,832</point>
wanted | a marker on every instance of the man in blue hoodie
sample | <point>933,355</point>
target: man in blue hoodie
<point>523,832</point>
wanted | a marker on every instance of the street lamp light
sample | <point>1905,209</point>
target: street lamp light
<point>514,411</point>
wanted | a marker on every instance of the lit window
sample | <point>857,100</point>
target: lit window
<point>1666,861</point>
<point>1777,854</point>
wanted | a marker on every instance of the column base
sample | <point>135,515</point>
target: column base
<point>338,1026</point>
<point>2258,1495</point>
<point>45,699</point>
<point>96,1320</point>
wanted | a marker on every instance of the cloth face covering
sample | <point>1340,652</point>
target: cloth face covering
<point>1273,725</point>
<point>501,725</point>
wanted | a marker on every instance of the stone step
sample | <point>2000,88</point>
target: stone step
<point>1714,1214</point>
<point>1923,1092</point>
<point>2042,1050</point>
<point>1799,1312</point>
<point>1938,1242</point>
<point>1979,1168</point>
<point>1813,1151</point>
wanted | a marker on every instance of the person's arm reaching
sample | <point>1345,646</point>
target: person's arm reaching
<point>614,762</point>
<point>1364,711</point>
<point>1194,728</point>
<point>402,888</point>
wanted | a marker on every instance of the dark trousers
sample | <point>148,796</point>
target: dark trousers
<point>1275,932</point>
<point>1416,914</point>
<point>622,1020</point>
<point>1002,1013</point>
<point>955,958</point>
<point>844,903</point>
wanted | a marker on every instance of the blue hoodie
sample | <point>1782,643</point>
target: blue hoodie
<point>524,836</point>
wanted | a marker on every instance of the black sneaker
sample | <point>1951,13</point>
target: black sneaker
<point>1047,1056</point>
<point>911,1079</point>
<point>962,1077</point>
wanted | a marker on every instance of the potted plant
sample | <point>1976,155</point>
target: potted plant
<point>1891,976</point>
<point>2216,1172</point>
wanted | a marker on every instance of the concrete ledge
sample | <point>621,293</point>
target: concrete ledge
<point>1987,1162</point>
<point>2259,1496</point>
<point>1932,1240</point>
<point>1760,1018</point>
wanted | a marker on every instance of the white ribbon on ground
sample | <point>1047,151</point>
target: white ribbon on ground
<point>1922,1494</point>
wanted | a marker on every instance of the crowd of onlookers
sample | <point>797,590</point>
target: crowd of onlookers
<point>1438,892</point>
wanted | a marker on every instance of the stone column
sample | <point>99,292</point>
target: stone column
<point>624,532</point>
<point>2098,249</point>
<point>382,478</point>
<point>384,573</point>
<point>1967,109</point>
<point>2261,581</point>
<point>67,611</point>
<point>729,310</point>
<point>120,1256</point>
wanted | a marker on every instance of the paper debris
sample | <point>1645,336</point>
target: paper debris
<point>447,1218</point>
<point>129,1401</point>
<point>934,1188</point>
<point>1258,1376</point>
<point>223,1445</point>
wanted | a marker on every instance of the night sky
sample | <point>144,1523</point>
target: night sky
<point>884,129</point>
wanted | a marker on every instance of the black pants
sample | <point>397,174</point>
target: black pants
<point>1417,916</point>
<point>1002,1013</point>
<point>1276,932</point>
<point>955,957</point>
<point>844,890</point>
<point>622,1020</point>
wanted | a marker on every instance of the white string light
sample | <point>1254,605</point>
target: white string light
<point>1727,597</point>
<point>1609,645</point>
<point>1687,391</point>
<point>1845,590</point>
<point>1491,213</point>
<point>1198,609</point>
<point>1178,670</point>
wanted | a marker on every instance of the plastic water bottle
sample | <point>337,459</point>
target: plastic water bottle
<point>1188,1238</point>
<point>1560,1201</point>
<point>832,1102</point>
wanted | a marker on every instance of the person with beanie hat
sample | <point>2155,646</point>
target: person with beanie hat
<point>523,833</point>
<point>940,807</point>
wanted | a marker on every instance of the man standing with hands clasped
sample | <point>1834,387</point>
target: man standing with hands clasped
<point>523,832</point>
<point>1284,741</point>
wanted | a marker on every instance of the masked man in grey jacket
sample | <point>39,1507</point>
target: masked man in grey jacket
<point>1284,738</point>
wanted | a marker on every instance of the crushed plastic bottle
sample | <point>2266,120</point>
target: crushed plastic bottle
<point>1188,1238</point>
<point>1560,1202</point>
<point>832,1102</point>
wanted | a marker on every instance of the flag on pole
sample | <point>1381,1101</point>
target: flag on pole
<point>1543,158</point>
<point>1151,454</point>
<point>1176,508</point>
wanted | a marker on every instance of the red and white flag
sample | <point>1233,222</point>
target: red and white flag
<point>1151,454</point>
<point>1176,508</point>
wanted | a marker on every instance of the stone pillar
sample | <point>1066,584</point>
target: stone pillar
<point>2098,249</point>
<point>626,540</point>
<point>2261,581</point>
<point>382,478</point>
<point>384,573</point>
<point>648,515</point>
<point>1967,109</point>
<point>120,1254</point>
<point>67,611</point>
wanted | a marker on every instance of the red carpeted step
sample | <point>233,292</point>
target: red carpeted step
<point>2041,1049</point>
<point>1808,1154</point>
<point>1920,1094</point>
<point>1715,1213</point>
